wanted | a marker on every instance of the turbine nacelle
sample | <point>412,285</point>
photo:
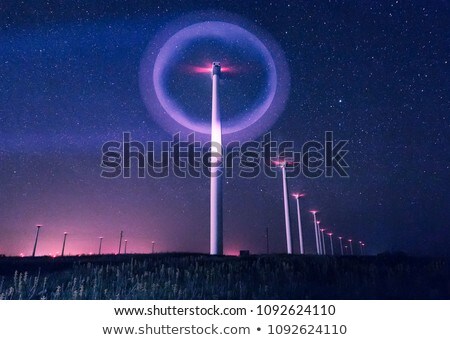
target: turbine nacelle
<point>211,69</point>
<point>215,68</point>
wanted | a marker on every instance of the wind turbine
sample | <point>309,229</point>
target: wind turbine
<point>216,213</point>
<point>153,247</point>
<point>361,247</point>
<point>36,240</point>
<point>120,241</point>
<point>331,243</point>
<point>125,250</point>
<point>320,238</point>
<point>340,242</point>
<point>314,212</point>
<point>322,233</point>
<point>100,245</point>
<point>351,246</point>
<point>64,244</point>
<point>300,232</point>
<point>287,219</point>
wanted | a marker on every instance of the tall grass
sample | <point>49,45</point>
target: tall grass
<point>205,277</point>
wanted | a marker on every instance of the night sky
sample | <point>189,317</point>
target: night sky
<point>375,74</point>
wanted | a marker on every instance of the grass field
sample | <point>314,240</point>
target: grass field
<point>197,276</point>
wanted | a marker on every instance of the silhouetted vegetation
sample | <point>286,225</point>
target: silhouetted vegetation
<point>196,276</point>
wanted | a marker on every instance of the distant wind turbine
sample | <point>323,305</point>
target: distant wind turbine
<point>36,240</point>
<point>300,232</point>
<point>322,233</point>
<point>120,241</point>
<point>320,238</point>
<point>340,242</point>
<point>287,220</point>
<point>64,244</point>
<point>351,246</point>
<point>331,243</point>
<point>100,245</point>
<point>314,212</point>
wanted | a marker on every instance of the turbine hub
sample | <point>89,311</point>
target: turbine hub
<point>215,68</point>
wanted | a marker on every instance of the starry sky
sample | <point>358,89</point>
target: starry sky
<point>374,73</point>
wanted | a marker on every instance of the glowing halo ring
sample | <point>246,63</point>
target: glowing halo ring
<point>222,31</point>
<point>171,117</point>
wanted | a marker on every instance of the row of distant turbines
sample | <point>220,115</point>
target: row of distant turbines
<point>125,242</point>
<point>216,190</point>
<point>319,232</point>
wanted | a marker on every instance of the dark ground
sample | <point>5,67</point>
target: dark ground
<point>198,276</point>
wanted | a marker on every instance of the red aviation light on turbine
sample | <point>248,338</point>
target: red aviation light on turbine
<point>207,69</point>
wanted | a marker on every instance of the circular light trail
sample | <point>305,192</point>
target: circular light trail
<point>165,48</point>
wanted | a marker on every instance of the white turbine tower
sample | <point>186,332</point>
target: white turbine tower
<point>314,212</point>
<point>287,219</point>
<point>216,218</point>
<point>331,243</point>
<point>320,238</point>
<point>300,232</point>
<point>340,243</point>
<point>322,233</point>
